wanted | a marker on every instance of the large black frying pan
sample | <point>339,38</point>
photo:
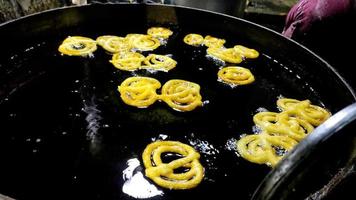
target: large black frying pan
<point>66,134</point>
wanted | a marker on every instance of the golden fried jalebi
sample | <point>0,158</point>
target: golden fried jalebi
<point>143,42</point>
<point>236,75</point>
<point>181,95</point>
<point>227,55</point>
<point>262,148</point>
<point>281,130</point>
<point>159,63</point>
<point>304,110</point>
<point>282,124</point>
<point>163,174</point>
<point>139,91</point>
<point>127,61</point>
<point>246,52</point>
<point>193,39</point>
<point>77,46</point>
<point>114,44</point>
<point>159,32</point>
<point>211,41</point>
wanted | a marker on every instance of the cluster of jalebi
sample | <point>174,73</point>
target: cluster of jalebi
<point>216,48</point>
<point>280,132</point>
<point>236,75</point>
<point>179,94</point>
<point>82,46</point>
<point>197,40</point>
<point>132,61</point>
<point>165,174</point>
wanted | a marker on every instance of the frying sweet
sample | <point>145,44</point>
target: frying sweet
<point>180,95</point>
<point>280,132</point>
<point>159,32</point>
<point>77,46</point>
<point>163,174</point>
<point>236,75</point>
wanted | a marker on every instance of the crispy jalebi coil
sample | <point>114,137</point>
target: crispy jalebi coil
<point>163,174</point>
<point>159,32</point>
<point>159,63</point>
<point>211,41</point>
<point>77,46</point>
<point>127,61</point>
<point>227,55</point>
<point>139,91</point>
<point>304,110</point>
<point>114,44</point>
<point>193,39</point>
<point>246,52</point>
<point>181,95</point>
<point>143,42</point>
<point>282,124</point>
<point>236,75</point>
<point>263,148</point>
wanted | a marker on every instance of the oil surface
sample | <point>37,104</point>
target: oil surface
<point>65,133</point>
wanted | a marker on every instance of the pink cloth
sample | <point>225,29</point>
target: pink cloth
<point>306,13</point>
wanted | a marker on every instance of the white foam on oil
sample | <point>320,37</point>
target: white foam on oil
<point>135,184</point>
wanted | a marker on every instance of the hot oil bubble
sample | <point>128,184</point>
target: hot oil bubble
<point>159,137</point>
<point>207,151</point>
<point>215,60</point>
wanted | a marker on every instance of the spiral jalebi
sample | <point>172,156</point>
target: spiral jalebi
<point>143,42</point>
<point>159,63</point>
<point>159,32</point>
<point>227,55</point>
<point>236,75</point>
<point>262,148</point>
<point>163,174</point>
<point>181,95</point>
<point>77,46</point>
<point>114,44</point>
<point>305,110</point>
<point>139,91</point>
<point>127,61</point>
<point>246,52</point>
<point>282,124</point>
<point>193,39</point>
<point>211,41</point>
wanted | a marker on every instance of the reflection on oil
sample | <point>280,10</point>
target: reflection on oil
<point>135,184</point>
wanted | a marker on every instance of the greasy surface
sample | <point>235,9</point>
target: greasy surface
<point>66,133</point>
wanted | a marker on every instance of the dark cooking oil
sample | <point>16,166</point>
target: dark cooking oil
<point>65,133</point>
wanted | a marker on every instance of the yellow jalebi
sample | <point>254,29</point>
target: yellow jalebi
<point>163,174</point>
<point>114,44</point>
<point>293,124</point>
<point>139,91</point>
<point>282,124</point>
<point>178,94</point>
<point>193,39</point>
<point>304,110</point>
<point>143,42</point>
<point>236,75</point>
<point>227,55</point>
<point>77,46</point>
<point>211,41</point>
<point>159,63</point>
<point>262,148</point>
<point>246,52</point>
<point>127,61</point>
<point>181,95</point>
<point>159,32</point>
